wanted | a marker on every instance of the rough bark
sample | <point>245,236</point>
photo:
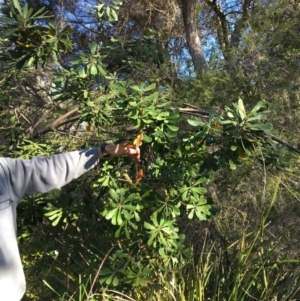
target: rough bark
<point>188,8</point>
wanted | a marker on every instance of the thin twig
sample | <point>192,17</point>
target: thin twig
<point>119,293</point>
<point>284,143</point>
<point>290,190</point>
<point>98,271</point>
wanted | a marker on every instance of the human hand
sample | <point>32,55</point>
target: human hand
<point>118,150</point>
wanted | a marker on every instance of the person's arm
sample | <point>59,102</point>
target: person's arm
<point>42,174</point>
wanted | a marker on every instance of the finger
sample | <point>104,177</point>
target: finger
<point>133,151</point>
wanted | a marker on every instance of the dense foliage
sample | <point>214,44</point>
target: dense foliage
<point>75,75</point>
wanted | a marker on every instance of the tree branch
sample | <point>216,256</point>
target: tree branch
<point>62,120</point>
<point>222,30</point>
<point>194,111</point>
<point>236,35</point>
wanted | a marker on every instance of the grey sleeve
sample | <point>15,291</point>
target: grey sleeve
<point>42,174</point>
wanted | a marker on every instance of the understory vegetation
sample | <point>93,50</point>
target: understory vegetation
<point>210,91</point>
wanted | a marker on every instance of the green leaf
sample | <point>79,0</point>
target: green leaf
<point>194,122</point>
<point>30,10</point>
<point>203,212</point>
<point>148,226</point>
<point>56,221</point>
<point>172,128</point>
<point>113,194</point>
<point>119,218</point>
<point>93,47</point>
<point>230,115</point>
<point>257,107</point>
<point>115,281</point>
<point>7,33</point>
<point>114,15</point>
<point>7,21</point>
<point>258,116</point>
<point>232,166</point>
<point>85,93</point>
<point>151,239</point>
<point>111,213</point>
<point>76,61</point>
<point>152,97</point>
<point>25,10</point>
<point>137,217</point>
<point>56,211</point>
<point>101,70</point>
<point>39,13</point>
<point>151,87</point>
<point>20,18</point>
<point>93,69</point>
<point>30,62</point>
<point>199,190</point>
<point>17,6</point>
<point>267,127</point>
<point>82,73</point>
<point>191,214</point>
<point>136,88</point>
<point>241,109</point>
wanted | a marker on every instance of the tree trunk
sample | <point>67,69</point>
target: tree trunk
<point>188,8</point>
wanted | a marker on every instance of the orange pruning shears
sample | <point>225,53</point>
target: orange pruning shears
<point>139,172</point>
